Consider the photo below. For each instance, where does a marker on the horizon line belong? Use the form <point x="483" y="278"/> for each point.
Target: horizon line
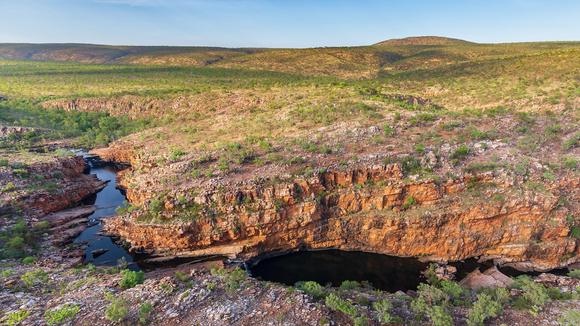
<point x="307" y="47"/>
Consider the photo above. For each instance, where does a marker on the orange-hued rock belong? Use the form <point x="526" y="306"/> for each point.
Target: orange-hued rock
<point x="118" y="152"/>
<point x="367" y="209"/>
<point x="74" y="186"/>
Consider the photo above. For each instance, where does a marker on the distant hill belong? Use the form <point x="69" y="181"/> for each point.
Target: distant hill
<point x="91" y="53"/>
<point x="424" y="40"/>
<point x="363" y="62"/>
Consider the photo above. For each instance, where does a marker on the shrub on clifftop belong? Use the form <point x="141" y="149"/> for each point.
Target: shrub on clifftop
<point x="131" y="278"/>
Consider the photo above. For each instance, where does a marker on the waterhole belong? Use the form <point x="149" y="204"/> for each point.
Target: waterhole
<point x="387" y="273"/>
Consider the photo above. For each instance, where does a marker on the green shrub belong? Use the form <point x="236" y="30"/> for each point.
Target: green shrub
<point x="485" y="307"/>
<point x="41" y="226"/>
<point x="312" y="288"/>
<point x="22" y="173"/>
<point x="16" y="317"/>
<point x="383" y="308"/>
<point x="455" y="292"/>
<point x="575" y="232"/>
<point x="440" y="316"/>
<point x="334" y="302"/>
<point x="575" y="273"/>
<point x="431" y="274"/>
<point x="419" y="148"/>
<point x="432" y="302"/>
<point x="37" y="276"/>
<point x="409" y="202"/>
<point x="388" y="130"/>
<point x="9" y="187"/>
<point x="145" y="310"/>
<point x="572" y="142"/>
<point x="360" y="321"/>
<point x="451" y="125"/>
<point x="480" y="135"/>
<point x="460" y="153"/>
<point x="233" y="279"/>
<point x="411" y="165"/>
<point x="131" y="278"/>
<point x="61" y="315"/>
<point x="62" y="152"/>
<point x="570" y="318"/>
<point x="556" y="294"/>
<point x="7" y="273"/>
<point x="481" y="167"/>
<point x="19" y="240"/>
<point x="28" y="260"/>
<point x="570" y="163"/>
<point x="181" y="276"/>
<point x="422" y="119"/>
<point x="349" y="285"/>
<point x="156" y="206"/>
<point x="117" y="310"/>
<point x="176" y="154"/>
<point x="534" y="296"/>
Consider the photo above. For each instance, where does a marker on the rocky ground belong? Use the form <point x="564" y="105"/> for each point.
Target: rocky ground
<point x="206" y="294"/>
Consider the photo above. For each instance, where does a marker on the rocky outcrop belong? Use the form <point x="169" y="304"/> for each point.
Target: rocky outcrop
<point x="128" y="105"/>
<point x="372" y="209"/>
<point x="65" y="225"/>
<point x="7" y="130"/>
<point x="118" y="152"/>
<point x="491" y="278"/>
<point x="35" y="200"/>
<point x="75" y="186"/>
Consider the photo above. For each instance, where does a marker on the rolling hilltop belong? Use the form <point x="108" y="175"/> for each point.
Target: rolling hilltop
<point x="390" y="56"/>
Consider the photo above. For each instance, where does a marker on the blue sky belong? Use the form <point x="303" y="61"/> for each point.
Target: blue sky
<point x="284" y="23"/>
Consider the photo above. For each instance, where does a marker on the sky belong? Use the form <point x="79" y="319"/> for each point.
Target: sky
<point x="284" y="23"/>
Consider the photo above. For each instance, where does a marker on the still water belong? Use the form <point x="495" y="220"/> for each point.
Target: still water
<point x="387" y="273"/>
<point x="106" y="201"/>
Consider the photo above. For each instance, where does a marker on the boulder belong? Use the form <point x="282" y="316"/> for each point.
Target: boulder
<point x="98" y="252"/>
<point x="61" y="218"/>
<point x="491" y="278"/>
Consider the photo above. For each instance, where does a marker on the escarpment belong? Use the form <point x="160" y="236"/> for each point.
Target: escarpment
<point x="372" y="208"/>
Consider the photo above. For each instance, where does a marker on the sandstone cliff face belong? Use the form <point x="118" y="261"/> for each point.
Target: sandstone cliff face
<point x="76" y="186"/>
<point x="370" y="209"/>
<point x="67" y="175"/>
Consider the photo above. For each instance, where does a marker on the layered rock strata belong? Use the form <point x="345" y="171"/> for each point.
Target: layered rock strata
<point x="372" y="209"/>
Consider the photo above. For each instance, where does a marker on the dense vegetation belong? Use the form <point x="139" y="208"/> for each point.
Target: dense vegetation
<point x="49" y="80"/>
<point x="90" y="128"/>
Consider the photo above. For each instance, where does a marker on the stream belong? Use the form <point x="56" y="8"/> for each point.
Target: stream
<point x="101" y="249"/>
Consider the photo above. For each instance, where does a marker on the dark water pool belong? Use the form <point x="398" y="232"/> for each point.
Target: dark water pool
<point x="384" y="272"/>
<point x="106" y="201"/>
<point x="334" y="266"/>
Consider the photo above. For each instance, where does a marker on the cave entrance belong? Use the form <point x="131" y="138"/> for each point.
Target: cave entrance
<point x="387" y="273"/>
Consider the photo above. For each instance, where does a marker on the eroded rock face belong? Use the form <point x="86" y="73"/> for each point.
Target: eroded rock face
<point x="67" y="173"/>
<point x="370" y="209"/>
<point x="76" y="186"/>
